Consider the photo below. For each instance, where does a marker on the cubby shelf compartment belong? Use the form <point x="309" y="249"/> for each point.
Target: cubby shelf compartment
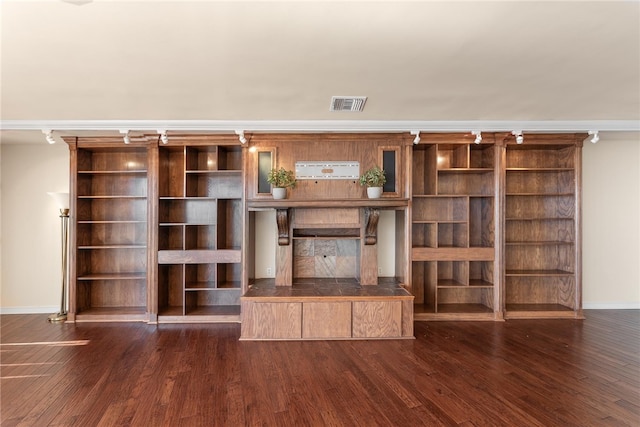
<point x="200" y="215"/>
<point x="477" y="182"/>
<point x="440" y="208"/>
<point x="117" y="184"/>
<point x="453" y="231"/>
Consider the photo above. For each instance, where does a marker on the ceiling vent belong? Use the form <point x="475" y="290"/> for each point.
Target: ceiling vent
<point x="347" y="103"/>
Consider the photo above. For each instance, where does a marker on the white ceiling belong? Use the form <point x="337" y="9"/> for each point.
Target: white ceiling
<point x="421" y="62"/>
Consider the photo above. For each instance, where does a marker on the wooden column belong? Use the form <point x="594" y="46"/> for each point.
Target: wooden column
<point x="284" y="249"/>
<point x="368" y="247"/>
<point x="152" y="232"/>
<point x="73" y="220"/>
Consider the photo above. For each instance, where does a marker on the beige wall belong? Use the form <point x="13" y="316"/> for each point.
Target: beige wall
<point x="611" y="222"/>
<point x="30" y="227"/>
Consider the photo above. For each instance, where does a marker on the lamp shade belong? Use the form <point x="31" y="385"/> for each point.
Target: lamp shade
<point x="62" y="199"/>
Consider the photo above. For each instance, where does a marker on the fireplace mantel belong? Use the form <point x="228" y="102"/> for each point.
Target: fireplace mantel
<point x="257" y="204"/>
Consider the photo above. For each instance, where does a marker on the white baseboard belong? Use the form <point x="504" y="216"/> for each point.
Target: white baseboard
<point x="29" y="310"/>
<point x="611" y="305"/>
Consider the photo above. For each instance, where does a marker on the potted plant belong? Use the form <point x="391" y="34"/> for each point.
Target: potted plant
<point x="373" y="179"/>
<point x="280" y="180"/>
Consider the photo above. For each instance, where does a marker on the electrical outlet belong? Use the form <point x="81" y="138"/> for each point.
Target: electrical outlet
<point x="379" y="270"/>
<point x="268" y="271"/>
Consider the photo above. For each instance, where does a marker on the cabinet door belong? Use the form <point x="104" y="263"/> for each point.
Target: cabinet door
<point x="377" y="319"/>
<point x="278" y="320"/>
<point x="326" y="320"/>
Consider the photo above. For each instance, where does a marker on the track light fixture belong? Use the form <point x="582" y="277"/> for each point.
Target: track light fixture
<point x="163" y="136"/>
<point x="126" y="137"/>
<point x="478" y="136"/>
<point x="241" y="137"/>
<point x="49" y="136"/>
<point x="518" y="135"/>
<point x="594" y="136"/>
<point x="416" y="140"/>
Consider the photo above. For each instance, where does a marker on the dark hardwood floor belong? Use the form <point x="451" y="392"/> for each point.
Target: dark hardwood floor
<point x="514" y="373"/>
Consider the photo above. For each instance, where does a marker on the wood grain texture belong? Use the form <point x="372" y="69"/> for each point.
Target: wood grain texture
<point x="332" y="218"/>
<point x="327" y="308"/>
<point x="199" y="256"/>
<point x="292" y="148"/>
<point x="551" y="373"/>
<point x="277" y="320"/>
<point x="377" y="319"/>
<point x="453" y="254"/>
<point x="326" y="320"/>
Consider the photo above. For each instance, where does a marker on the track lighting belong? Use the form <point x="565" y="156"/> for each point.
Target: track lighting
<point x="595" y="137"/>
<point x="478" y="136"/>
<point x="163" y="136"/>
<point x="126" y="137"/>
<point x="518" y="135"/>
<point x="416" y="140"/>
<point x="49" y="136"/>
<point x="241" y="137"/>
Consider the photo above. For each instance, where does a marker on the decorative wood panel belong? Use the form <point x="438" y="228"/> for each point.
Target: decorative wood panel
<point x="292" y="148"/>
<point x="376" y="319"/>
<point x="326" y="320"/>
<point x="271" y="320"/>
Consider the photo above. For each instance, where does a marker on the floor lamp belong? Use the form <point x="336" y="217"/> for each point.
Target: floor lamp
<point x="62" y="200"/>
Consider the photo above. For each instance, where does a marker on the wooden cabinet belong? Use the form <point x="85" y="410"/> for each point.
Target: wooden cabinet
<point x="200" y="230"/>
<point x="109" y="232"/>
<point x="454" y="213"/>
<point x="310" y="317"/>
<point x="542" y="227"/>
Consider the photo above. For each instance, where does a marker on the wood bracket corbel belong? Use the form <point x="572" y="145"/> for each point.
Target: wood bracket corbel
<point x="282" y="219"/>
<point x="371" y="216"/>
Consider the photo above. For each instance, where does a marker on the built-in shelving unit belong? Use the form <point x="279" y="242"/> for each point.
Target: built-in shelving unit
<point x="109" y="236"/>
<point x="200" y="231"/>
<point x="542" y="227"/>
<point x="165" y="232"/>
<point x="454" y="212"/>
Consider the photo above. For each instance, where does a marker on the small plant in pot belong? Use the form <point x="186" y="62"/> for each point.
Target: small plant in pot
<point x="280" y="180"/>
<point x="373" y="179"/>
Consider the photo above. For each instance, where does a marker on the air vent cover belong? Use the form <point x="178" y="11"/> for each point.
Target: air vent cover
<point x="347" y="103"/>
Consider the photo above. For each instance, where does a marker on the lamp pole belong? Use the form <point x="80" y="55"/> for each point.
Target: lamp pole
<point x="63" y="202"/>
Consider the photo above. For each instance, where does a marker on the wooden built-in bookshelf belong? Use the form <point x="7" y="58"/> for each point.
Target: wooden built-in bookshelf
<point x="200" y="230"/>
<point x="542" y="227"/>
<point x="165" y="232"/>
<point x="453" y="222"/>
<point x="109" y="231"/>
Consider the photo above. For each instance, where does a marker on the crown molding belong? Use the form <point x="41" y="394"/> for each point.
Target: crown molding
<point x="326" y="125"/>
